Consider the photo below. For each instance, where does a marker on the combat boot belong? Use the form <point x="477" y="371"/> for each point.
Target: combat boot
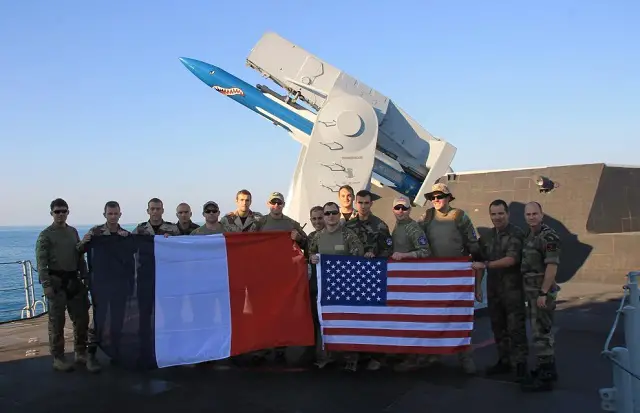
<point x="467" y="363"/>
<point x="60" y="364"/>
<point x="501" y="367"/>
<point x="521" y="372"/>
<point x="93" y="365"/>
<point x="81" y="357"/>
<point x="541" y="379"/>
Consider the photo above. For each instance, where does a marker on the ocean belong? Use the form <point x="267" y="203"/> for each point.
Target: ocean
<point x="18" y="244"/>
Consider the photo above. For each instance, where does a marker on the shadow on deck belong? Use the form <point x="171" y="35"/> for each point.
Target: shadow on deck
<point x="585" y="315"/>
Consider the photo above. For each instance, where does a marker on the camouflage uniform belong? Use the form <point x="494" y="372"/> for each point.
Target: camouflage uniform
<point x="342" y="241"/>
<point x="408" y="236"/>
<point x="505" y="297"/>
<point x="540" y="249"/>
<point x="145" y="228"/>
<point x="373" y="233"/>
<point x="92" y="363"/>
<point x="234" y="223"/>
<point x="61" y="266"/>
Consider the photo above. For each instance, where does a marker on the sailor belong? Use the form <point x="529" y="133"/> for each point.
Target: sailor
<point x="156" y="225"/>
<point x="185" y="224"/>
<point x="540" y="260"/>
<point x="501" y="250"/>
<point x="210" y="212"/>
<point x="243" y="218"/>
<point x="372" y="231"/>
<point x="409" y="241"/>
<point x="345" y="197"/>
<point x="61" y="268"/>
<point x="111" y="227"/>
<point x="335" y="239"/>
<point x="451" y="234"/>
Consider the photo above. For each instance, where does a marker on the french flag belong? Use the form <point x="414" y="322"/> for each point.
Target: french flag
<point x="161" y="302"/>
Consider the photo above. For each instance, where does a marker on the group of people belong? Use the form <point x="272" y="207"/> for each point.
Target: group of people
<point x="520" y="265"/>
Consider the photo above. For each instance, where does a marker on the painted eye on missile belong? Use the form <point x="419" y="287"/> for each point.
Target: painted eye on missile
<point x="212" y="72"/>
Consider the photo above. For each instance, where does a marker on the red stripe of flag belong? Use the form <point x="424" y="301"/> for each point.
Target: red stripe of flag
<point x="369" y="348"/>
<point x="430" y="274"/>
<point x="383" y="332"/>
<point x="430" y="288"/>
<point x="406" y="318"/>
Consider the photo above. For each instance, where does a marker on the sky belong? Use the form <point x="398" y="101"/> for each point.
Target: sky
<point x="95" y="105"/>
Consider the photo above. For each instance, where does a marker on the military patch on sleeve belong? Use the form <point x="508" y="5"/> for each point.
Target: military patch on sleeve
<point x="422" y="240"/>
<point x="552" y="247"/>
<point x="389" y="241"/>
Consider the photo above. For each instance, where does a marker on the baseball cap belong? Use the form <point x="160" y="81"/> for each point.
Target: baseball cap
<point x="402" y="200"/>
<point x="276" y="195"/>
<point x="210" y="203"/>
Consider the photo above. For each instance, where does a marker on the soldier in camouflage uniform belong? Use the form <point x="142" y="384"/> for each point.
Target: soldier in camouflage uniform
<point x="540" y="260"/>
<point x="451" y="234"/>
<point x="345" y="197"/>
<point x="501" y="253"/>
<point x="243" y="218"/>
<point x="372" y="231"/>
<point x="111" y="227"/>
<point x="61" y="268"/>
<point x="335" y="239"/>
<point x="156" y="225"/>
<point x="316" y="216"/>
<point x="210" y="212"/>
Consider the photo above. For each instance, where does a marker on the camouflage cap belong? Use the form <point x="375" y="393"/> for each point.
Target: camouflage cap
<point x="210" y="203"/>
<point x="439" y="187"/>
<point x="402" y="200"/>
<point x="276" y="195"/>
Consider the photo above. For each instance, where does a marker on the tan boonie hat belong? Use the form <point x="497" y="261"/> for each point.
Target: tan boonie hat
<point x="209" y="203"/>
<point x="402" y="200"/>
<point x="439" y="187"/>
<point x="276" y="195"/>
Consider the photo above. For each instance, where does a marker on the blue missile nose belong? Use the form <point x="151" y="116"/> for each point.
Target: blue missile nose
<point x="203" y="71"/>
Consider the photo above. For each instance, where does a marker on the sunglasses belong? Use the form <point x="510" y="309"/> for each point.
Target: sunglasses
<point x="211" y="211"/>
<point x="60" y="211"/>
<point x="275" y="202"/>
<point x="400" y="208"/>
<point x="327" y="213"/>
<point x="438" y="197"/>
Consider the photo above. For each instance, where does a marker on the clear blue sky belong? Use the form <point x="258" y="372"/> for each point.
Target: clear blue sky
<point x="95" y="105"/>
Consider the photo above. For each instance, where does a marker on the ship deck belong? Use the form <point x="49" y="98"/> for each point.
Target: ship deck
<point x="584" y="317"/>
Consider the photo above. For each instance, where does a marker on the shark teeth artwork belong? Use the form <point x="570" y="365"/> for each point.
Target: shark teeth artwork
<point x="229" y="91"/>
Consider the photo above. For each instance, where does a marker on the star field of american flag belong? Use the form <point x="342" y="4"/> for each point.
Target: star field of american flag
<point x="353" y="281"/>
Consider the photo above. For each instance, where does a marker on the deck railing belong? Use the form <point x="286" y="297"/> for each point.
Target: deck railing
<point x="624" y="396"/>
<point x="31" y="301"/>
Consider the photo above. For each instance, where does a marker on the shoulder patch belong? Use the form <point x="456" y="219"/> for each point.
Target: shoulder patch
<point x="552" y="247"/>
<point x="389" y="241"/>
<point x="422" y="240"/>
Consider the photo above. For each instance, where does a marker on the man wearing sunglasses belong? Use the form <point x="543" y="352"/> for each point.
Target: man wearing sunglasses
<point x="335" y="239"/>
<point x="210" y="212"/>
<point x="275" y="220"/>
<point x="451" y="234"/>
<point x="61" y="266"/>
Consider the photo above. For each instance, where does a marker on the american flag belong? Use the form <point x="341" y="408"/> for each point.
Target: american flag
<point x="385" y="306"/>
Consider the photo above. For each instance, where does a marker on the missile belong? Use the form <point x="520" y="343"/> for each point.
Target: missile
<point x="248" y="96"/>
<point x="288" y="117"/>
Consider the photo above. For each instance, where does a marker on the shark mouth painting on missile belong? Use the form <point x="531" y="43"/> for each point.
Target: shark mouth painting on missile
<point x="229" y="91"/>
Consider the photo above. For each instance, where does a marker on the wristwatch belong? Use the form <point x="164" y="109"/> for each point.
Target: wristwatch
<point x="542" y="293"/>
